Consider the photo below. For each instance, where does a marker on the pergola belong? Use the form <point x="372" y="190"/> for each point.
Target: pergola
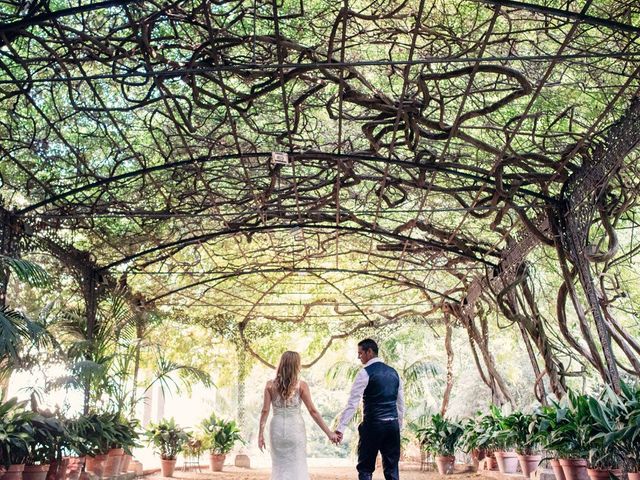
<point x="390" y="160"/>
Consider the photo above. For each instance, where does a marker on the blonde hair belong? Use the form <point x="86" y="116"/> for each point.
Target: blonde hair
<point x="287" y="374"/>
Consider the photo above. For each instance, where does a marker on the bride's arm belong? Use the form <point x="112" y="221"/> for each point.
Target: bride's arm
<point x="305" y="394"/>
<point x="266" y="407"/>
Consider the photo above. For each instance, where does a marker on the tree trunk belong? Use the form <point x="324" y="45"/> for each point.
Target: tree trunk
<point x="89" y="291"/>
<point x="449" y="349"/>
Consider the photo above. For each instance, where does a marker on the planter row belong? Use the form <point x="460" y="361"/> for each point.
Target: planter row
<point x="216" y="462"/>
<point x="563" y="469"/>
<point x="576" y="469"/>
<point x="115" y="463"/>
<point x="505" y="462"/>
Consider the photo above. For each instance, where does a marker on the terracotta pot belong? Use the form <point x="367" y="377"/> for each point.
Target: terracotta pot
<point x="529" y="463"/>
<point x="57" y="469"/>
<point x="168" y="467"/>
<point x="574" y="468"/>
<point x="603" y="474"/>
<point x="114" y="460"/>
<point x="135" y="466"/>
<point x="126" y="460"/>
<point x="74" y="467"/>
<point x="95" y="464"/>
<point x="507" y="462"/>
<point x="445" y="464"/>
<point x="35" y="472"/>
<point x="216" y="462"/>
<point x="633" y="475"/>
<point x="557" y="469"/>
<point x="493" y="463"/>
<point x="14" y="472"/>
<point x="478" y="453"/>
<point x="61" y="472"/>
<point x="242" y="460"/>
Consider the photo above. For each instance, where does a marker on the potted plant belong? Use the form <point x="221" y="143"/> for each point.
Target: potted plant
<point x="479" y="438"/>
<point x="220" y="436"/>
<point x="503" y="441"/>
<point x="629" y="435"/>
<point x="128" y="439"/>
<point x="440" y="437"/>
<point x="123" y="440"/>
<point x="547" y="424"/>
<point x="606" y="450"/>
<point x="46" y="433"/>
<point x="98" y="431"/>
<point x="570" y="436"/>
<point x="16" y="434"/>
<point x="469" y="442"/>
<point x="523" y="433"/>
<point x="168" y="439"/>
<point x="79" y="441"/>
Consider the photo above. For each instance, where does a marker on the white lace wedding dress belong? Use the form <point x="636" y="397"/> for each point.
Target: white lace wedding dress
<point x="288" y="439"/>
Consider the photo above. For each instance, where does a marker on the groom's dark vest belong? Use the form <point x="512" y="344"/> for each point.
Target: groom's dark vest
<point x="381" y="394"/>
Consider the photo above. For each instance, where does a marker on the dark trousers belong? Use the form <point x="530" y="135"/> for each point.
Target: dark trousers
<point x="383" y="437"/>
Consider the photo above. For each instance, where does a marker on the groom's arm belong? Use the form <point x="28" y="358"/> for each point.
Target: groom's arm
<point x="400" y="403"/>
<point x="359" y="384"/>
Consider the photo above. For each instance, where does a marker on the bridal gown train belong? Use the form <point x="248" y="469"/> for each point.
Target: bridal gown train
<point x="288" y="439"/>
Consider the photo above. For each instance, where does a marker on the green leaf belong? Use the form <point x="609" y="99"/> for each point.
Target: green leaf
<point x="26" y="271"/>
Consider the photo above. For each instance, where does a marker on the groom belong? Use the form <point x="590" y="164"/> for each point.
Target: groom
<point x="379" y="386"/>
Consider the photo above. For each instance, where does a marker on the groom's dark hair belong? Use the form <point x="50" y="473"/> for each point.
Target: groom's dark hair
<point x="369" y="344"/>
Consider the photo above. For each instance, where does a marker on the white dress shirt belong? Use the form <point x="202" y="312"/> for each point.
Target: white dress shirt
<point x="357" y="390"/>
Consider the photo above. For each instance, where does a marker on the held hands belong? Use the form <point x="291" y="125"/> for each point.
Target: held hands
<point x="335" y="437"/>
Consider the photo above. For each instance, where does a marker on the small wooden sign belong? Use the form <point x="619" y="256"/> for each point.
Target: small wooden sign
<point x="279" y="158"/>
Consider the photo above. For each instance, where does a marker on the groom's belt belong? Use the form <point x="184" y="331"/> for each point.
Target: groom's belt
<point x="374" y="419"/>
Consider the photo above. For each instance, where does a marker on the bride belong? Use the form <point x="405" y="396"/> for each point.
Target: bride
<point x="287" y="434"/>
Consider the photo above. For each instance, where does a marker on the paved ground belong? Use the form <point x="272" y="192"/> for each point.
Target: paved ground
<point x="409" y="472"/>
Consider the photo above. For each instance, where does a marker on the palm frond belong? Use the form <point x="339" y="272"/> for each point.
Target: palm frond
<point x="12" y="333"/>
<point x="124" y="360"/>
<point x="117" y="315"/>
<point x="18" y="331"/>
<point x="389" y="348"/>
<point x="421" y="369"/>
<point x="165" y="370"/>
<point x="64" y="381"/>
<point x="72" y="323"/>
<point x="340" y="372"/>
<point x="26" y="271"/>
<point x="38" y="333"/>
<point x="420" y="421"/>
<point x="88" y="368"/>
<point x="191" y="375"/>
<point x="419" y="375"/>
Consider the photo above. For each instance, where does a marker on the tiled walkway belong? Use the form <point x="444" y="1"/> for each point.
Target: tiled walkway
<point x="410" y="472"/>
